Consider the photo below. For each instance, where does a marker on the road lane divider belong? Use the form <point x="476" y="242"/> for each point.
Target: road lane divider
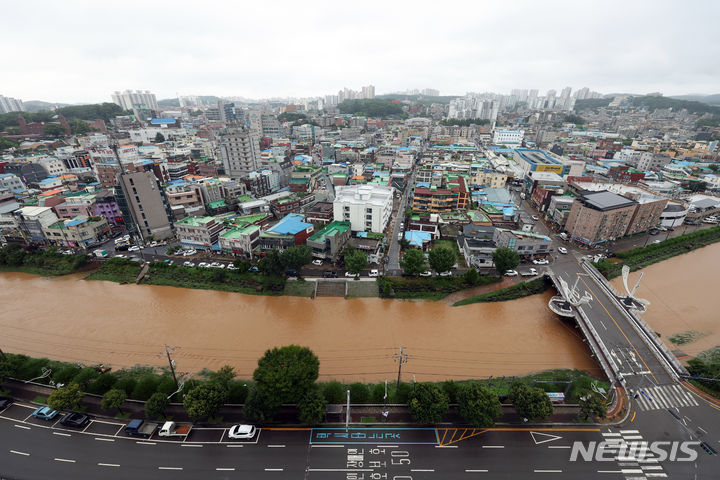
<point x="170" y="468"/>
<point x="105" y="439"/>
<point x="66" y="460"/>
<point x="24" y="454"/>
<point x="62" y="434"/>
<point x="108" y="464"/>
<point x="23" y="427"/>
<point x="146" y="443"/>
<point x="225" y="469"/>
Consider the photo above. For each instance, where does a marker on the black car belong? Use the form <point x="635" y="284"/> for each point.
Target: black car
<point x="291" y="272"/>
<point x="75" y="419"/>
<point x="329" y="274"/>
<point x="5" y="402"/>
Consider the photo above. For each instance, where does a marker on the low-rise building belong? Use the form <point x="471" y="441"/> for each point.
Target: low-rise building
<point x="330" y="240"/>
<point x="240" y="240"/>
<point x="366" y="207"/>
<point x="526" y="244"/>
<point x="598" y="217"/>
<point x="11" y="183"/>
<point x="198" y="232"/>
<point x="81" y="231"/>
<point x="289" y="231"/>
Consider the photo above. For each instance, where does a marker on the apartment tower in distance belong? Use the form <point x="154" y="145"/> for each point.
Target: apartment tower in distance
<point x="240" y="151"/>
<point x="129" y="99"/>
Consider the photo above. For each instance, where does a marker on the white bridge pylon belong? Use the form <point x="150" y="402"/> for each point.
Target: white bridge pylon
<point x="572" y="295"/>
<point x="631" y="294"/>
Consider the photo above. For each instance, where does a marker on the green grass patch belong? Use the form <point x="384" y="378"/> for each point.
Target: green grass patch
<point x="524" y="289"/>
<point x="368" y="420"/>
<point x="123" y="415"/>
<point x="299" y="288"/>
<point x="452" y="245"/>
<point x="427" y="288"/>
<point x="49" y="262"/>
<point x="40" y="399"/>
<point x="686" y="337"/>
<point x="363" y="289"/>
<point x="642" y="257"/>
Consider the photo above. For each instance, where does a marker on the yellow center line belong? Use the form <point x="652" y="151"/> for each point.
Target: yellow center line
<point x="621" y="330"/>
<point x="633" y="417"/>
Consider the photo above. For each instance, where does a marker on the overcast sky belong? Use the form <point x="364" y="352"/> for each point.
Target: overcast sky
<point x="81" y="51"/>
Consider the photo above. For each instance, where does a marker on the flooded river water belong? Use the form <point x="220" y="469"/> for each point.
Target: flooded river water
<point x="684" y="298"/>
<point x="76" y="320"/>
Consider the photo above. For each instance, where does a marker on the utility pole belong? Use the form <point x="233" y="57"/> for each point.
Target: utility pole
<point x="401" y="358"/>
<point x="171" y="363"/>
<point x="4" y="357"/>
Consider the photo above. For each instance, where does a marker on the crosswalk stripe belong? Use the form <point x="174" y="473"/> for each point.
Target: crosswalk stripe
<point x="662" y="401"/>
<point x="642" y="401"/>
<point x="666" y="398"/>
<point x="682" y="395"/>
<point x="679" y="401"/>
<point x="690" y="397"/>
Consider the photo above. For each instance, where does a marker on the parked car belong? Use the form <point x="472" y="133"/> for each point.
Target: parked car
<point x="562" y="250"/>
<point x="203" y="264"/>
<point x="172" y="429"/>
<point x="535" y="217"/>
<point x="511" y="273"/>
<point x="653" y="231"/>
<point x="75" y="419"/>
<point x="351" y="275"/>
<point x="134" y="248"/>
<point x="426" y="273"/>
<point x="529" y="273"/>
<point x="317" y="262"/>
<point x="242" y="431"/>
<point x="140" y="428"/>
<point x="374" y="273"/>
<point x="541" y="261"/>
<point x="329" y="274"/>
<point x="5" y="402"/>
<point x="188" y="264"/>
<point x="231" y="267"/>
<point x="291" y="272"/>
<point x="253" y="269"/>
<point x="446" y="274"/>
<point x="120" y="256"/>
<point x="45" y="413"/>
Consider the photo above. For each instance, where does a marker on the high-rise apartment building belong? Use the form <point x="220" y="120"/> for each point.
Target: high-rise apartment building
<point x="368" y="92"/>
<point x="130" y="99"/>
<point x="240" y="151"/>
<point x="8" y="105"/>
<point x="143" y="204"/>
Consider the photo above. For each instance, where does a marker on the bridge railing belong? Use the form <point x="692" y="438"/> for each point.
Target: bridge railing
<point x="640" y="326"/>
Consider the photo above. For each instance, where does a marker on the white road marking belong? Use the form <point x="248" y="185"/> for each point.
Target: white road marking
<point x="108" y="464"/>
<point x="602" y="323"/>
<point x="191" y="445"/>
<point x="170" y="468"/>
<point x="395" y="446"/>
<point x="609" y="471"/>
<point x="275" y="470"/>
<point x="702" y="430"/>
<point x="62" y="434"/>
<point x="422" y="469"/>
<point x="146" y="443"/>
<point x="331" y="446"/>
<point x="64" y="460"/>
<point x="559" y="446"/>
<point x="493" y="446"/>
<point x="20" y="453"/>
<point x="339" y="469"/>
<point x="476" y="471"/>
<point x="23" y="427"/>
<point x="105" y="439"/>
<point x="547" y="471"/>
<point x="234" y="446"/>
<point x="446" y="446"/>
<point x="631" y="470"/>
<point x="276" y="446"/>
<point x="223" y="469"/>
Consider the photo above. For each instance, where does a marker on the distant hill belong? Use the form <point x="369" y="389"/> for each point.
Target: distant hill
<point x="424" y="99"/>
<point x="169" y="102"/>
<point x="709" y="99"/>
<point x="39" y="106"/>
<point x="591" y="103"/>
<point x="653" y="102"/>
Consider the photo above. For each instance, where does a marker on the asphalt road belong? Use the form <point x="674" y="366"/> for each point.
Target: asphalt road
<point x="32" y="450"/>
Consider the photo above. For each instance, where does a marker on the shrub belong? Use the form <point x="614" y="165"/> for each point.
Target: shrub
<point x="65" y="374"/>
<point x="428" y="403"/>
<point x="359" y="393"/>
<point x="85" y="377"/>
<point x="145" y="387"/>
<point x="238" y="392"/>
<point x="126" y="384"/>
<point x="312" y="406"/>
<point x="156" y="405"/>
<point x="402" y="393"/>
<point x="450" y="388"/>
<point x="378" y="393"/>
<point x="102" y="384"/>
<point x="334" y="392"/>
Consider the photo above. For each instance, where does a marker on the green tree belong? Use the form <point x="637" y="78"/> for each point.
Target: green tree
<point x="478" y="404"/>
<point x="156" y="405"/>
<point x="296" y="257"/>
<point x="53" y="130"/>
<point x="85" y="377"/>
<point x="6" y="144"/>
<point x="312" y="406"/>
<point x="334" y="392"/>
<point x="472" y="277"/>
<point x="413" y="262"/>
<point x="113" y="399"/>
<point x="78" y="127"/>
<point x="102" y="384"/>
<point x="223" y="377"/>
<point x="359" y="392"/>
<point x="593" y="404"/>
<point x="257" y="408"/>
<point x="159" y="138"/>
<point x="65" y="398"/>
<point x="532" y="403"/>
<point x="442" y="259"/>
<point x="377" y="395"/>
<point x="356" y="262"/>
<point x="270" y="264"/>
<point x="204" y="401"/>
<point x="505" y="259"/>
<point x="237" y="392"/>
<point x="65" y="374"/>
<point x="145" y="387"/>
<point x="242" y="265"/>
<point x="284" y="374"/>
<point x="697" y="186"/>
<point x="428" y="403"/>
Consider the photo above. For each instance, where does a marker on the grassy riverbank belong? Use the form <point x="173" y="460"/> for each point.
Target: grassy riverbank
<point x="524" y="289"/>
<point x="428" y="288"/>
<point x="140" y="382"/>
<point x="16" y="258"/>
<point x="641" y="257"/>
<point x="160" y="273"/>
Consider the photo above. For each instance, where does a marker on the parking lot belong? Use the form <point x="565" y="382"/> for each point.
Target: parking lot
<point x="111" y="429"/>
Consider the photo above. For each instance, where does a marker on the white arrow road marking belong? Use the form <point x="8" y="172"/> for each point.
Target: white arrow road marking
<point x="539" y="438"/>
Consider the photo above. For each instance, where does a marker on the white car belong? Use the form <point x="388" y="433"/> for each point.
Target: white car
<point x="511" y="273"/>
<point x="317" y="262"/>
<point x="231" y="267"/>
<point x="188" y="264"/>
<point x="446" y="274"/>
<point x="153" y="244"/>
<point x="562" y="250"/>
<point x="120" y="256"/>
<point x="203" y="264"/>
<point x="351" y="275"/>
<point x="374" y="273"/>
<point x="535" y="217"/>
<point x="541" y="261"/>
<point x="134" y="248"/>
<point x="530" y="273"/>
<point x="242" y="431"/>
<point x="426" y="273"/>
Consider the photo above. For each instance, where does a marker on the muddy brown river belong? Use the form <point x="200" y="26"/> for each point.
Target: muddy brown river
<point x="91" y="322"/>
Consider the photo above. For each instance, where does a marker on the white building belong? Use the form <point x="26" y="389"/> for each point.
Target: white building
<point x="502" y="136"/>
<point x="366" y="207"/>
<point x="9" y="182"/>
<point x="130" y="99"/>
<point x="8" y="105"/>
<point x="240" y="152"/>
<point x="53" y="166"/>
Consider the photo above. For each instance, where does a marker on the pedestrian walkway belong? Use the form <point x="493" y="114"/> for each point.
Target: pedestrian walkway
<point x="665" y="396"/>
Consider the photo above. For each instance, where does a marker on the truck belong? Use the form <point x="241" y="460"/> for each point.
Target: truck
<point x="140" y="428"/>
<point x="172" y="429"/>
<point x="100" y="253"/>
